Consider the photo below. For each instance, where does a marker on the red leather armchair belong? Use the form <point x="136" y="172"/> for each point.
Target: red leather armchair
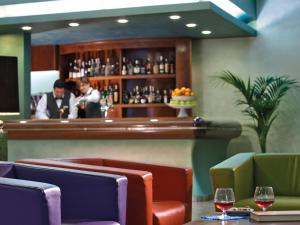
<point x="157" y="195"/>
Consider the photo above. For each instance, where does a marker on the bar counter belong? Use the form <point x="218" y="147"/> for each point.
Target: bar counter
<point x="167" y="141"/>
<point x="131" y="128"/>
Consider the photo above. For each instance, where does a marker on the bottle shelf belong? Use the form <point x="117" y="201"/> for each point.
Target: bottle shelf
<point x="146" y="105"/>
<point x="128" y="77"/>
<point x="172" y="52"/>
<point x="152" y="76"/>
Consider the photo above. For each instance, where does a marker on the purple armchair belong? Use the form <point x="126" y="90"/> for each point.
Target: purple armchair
<point x="40" y="195"/>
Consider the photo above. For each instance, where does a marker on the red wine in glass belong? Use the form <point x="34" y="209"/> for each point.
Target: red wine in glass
<point x="264" y="197"/>
<point x="223" y="206"/>
<point x="264" y="203"/>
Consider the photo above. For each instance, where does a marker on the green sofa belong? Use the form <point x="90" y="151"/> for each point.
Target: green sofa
<point x="244" y="171"/>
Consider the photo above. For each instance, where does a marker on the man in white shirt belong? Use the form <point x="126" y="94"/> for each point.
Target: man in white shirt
<point x="89" y="101"/>
<point x="58" y="104"/>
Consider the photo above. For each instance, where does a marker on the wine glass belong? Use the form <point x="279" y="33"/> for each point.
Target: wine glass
<point x="224" y="199"/>
<point x="264" y="197"/>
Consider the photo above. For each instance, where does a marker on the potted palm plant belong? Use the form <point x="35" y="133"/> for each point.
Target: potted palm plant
<point x="260" y="98"/>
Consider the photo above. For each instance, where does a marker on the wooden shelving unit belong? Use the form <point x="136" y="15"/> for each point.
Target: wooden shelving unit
<point x="128" y="77"/>
<point x="177" y="49"/>
<point x="144" y="105"/>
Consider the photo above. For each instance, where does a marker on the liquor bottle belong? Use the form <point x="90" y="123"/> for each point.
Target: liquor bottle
<point x="75" y="68"/>
<point x="82" y="69"/>
<point x="103" y="96"/>
<point x="146" y="93"/>
<point x="102" y="71"/>
<point x="130" y="68"/>
<point x="124" y="61"/>
<point x="110" y="99"/>
<point x="131" y="98"/>
<point x="70" y="70"/>
<point x="155" y="68"/>
<point x="117" y="68"/>
<point x="97" y="67"/>
<point x="92" y="68"/>
<point x="107" y="68"/>
<point x="113" y="70"/>
<point x="124" y="68"/>
<point x="148" y="66"/>
<point x="137" y="99"/>
<point x="88" y="68"/>
<point x="170" y="95"/>
<point x="158" y="97"/>
<point x="161" y="65"/>
<point x="166" y="99"/>
<point x="116" y="94"/>
<point x="150" y="96"/>
<point x="104" y="92"/>
<point x="167" y="66"/>
<point x="79" y="63"/>
<point x="137" y="68"/>
<point x="143" y="68"/>
<point x="172" y="67"/>
<point x="143" y="96"/>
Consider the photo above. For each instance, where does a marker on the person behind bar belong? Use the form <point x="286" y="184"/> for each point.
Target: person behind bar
<point x="88" y="102"/>
<point x="58" y="104"/>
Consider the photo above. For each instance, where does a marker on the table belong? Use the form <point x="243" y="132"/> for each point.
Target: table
<point x="239" y="222"/>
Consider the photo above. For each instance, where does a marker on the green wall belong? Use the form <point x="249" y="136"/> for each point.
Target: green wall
<point x="18" y="45"/>
<point x="275" y="51"/>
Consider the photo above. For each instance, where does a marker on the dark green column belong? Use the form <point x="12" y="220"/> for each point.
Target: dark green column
<point x="3" y="143"/>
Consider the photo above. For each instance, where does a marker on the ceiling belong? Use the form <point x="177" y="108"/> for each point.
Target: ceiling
<point x="143" y="22"/>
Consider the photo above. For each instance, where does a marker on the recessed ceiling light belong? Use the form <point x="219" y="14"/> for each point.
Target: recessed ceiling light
<point x="74" y="24"/>
<point x="174" y="17"/>
<point x="108" y="121"/>
<point x="206" y="32"/>
<point x="191" y="25"/>
<point x="122" y="21"/>
<point x="154" y="120"/>
<point x="26" y="28"/>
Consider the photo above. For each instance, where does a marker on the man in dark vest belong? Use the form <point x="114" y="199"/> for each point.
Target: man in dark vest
<point x="88" y="103"/>
<point x="58" y="104"/>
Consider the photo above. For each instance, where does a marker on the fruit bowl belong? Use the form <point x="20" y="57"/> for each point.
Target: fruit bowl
<point x="183" y="98"/>
<point x="182" y="109"/>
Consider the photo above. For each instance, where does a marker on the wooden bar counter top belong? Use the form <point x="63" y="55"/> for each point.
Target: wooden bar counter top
<point x="129" y="128"/>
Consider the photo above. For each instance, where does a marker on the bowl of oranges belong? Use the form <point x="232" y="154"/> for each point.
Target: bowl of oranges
<point x="183" y="94"/>
<point x="182" y="99"/>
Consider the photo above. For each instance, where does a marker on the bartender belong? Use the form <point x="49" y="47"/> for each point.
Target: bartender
<point x="58" y="104"/>
<point x="88" y="102"/>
